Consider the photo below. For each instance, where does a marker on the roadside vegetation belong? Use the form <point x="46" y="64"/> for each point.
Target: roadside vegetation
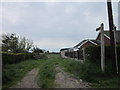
<point x="89" y="72"/>
<point x="12" y="73"/>
<point x="47" y="74"/>
<point x="19" y="56"/>
<point x="47" y="71"/>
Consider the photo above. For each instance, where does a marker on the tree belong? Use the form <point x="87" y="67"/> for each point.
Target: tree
<point x="37" y="50"/>
<point x="9" y="42"/>
<point x="15" y="44"/>
<point x="24" y="45"/>
<point x="48" y="52"/>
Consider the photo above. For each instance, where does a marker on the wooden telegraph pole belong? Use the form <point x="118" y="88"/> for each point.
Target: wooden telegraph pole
<point x="112" y="38"/>
<point x="116" y="49"/>
<point x="102" y="47"/>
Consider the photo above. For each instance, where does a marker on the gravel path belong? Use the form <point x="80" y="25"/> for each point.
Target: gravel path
<point x="29" y="81"/>
<point x="66" y="80"/>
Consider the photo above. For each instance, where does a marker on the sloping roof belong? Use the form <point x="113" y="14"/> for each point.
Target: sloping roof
<point x="79" y="44"/>
<point x="64" y="49"/>
<point x="95" y="42"/>
<point x="107" y="33"/>
<point x="117" y="33"/>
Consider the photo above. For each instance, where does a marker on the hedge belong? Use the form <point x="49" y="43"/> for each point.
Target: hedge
<point x="13" y="58"/>
<point x="93" y="53"/>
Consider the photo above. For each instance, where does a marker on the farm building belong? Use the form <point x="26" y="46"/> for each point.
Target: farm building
<point x="86" y="43"/>
<point x="107" y="37"/>
<point x="63" y="51"/>
<point x="78" y="50"/>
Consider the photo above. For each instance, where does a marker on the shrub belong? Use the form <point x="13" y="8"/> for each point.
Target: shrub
<point x="89" y="71"/>
<point x="93" y="53"/>
<point x="13" y="58"/>
<point x="12" y="73"/>
<point x="39" y="56"/>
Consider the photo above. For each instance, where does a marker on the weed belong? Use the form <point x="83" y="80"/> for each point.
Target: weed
<point x="47" y="73"/>
<point x="14" y="72"/>
<point x="89" y="72"/>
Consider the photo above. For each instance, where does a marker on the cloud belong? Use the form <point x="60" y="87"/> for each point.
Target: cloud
<point x="70" y="9"/>
<point x="57" y="0"/>
<point x="52" y="43"/>
<point x="54" y="25"/>
<point x="119" y="15"/>
<point x="13" y="12"/>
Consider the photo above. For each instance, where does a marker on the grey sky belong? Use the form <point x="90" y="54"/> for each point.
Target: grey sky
<point x="55" y="25"/>
<point x="119" y="15"/>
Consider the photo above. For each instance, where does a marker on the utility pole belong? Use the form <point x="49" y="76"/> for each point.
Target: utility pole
<point x="112" y="39"/>
<point x="102" y="47"/>
<point x="115" y="48"/>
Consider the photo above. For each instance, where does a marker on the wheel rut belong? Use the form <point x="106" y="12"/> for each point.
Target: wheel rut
<point x="66" y="80"/>
<point x="29" y="81"/>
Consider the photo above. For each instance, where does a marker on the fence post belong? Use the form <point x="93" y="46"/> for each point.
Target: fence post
<point x="83" y="53"/>
<point x="78" y="55"/>
<point x="102" y="47"/>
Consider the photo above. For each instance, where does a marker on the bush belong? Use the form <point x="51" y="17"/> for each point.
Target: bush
<point x="93" y="53"/>
<point x="118" y="57"/>
<point x="13" y="58"/>
<point x="39" y="56"/>
<point x="89" y="71"/>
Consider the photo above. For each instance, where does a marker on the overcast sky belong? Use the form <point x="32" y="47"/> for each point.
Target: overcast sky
<point x="55" y="25"/>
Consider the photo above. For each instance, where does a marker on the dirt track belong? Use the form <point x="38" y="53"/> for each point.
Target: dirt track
<point x="62" y="80"/>
<point x="66" y="80"/>
<point x="29" y="81"/>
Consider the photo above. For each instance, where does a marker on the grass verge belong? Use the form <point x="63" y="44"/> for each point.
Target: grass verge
<point x="12" y="73"/>
<point x="89" y="72"/>
<point x="47" y="73"/>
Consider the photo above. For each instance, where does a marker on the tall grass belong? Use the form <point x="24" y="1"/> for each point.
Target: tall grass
<point x="87" y="71"/>
<point x="47" y="73"/>
<point x="14" y="72"/>
<point x="84" y="70"/>
<point x="90" y="72"/>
